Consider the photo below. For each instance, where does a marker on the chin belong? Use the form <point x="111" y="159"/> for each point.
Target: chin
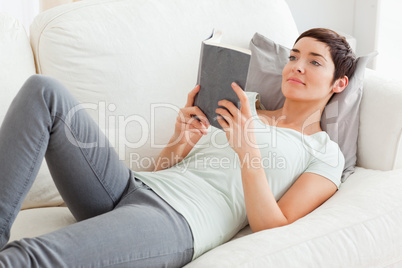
<point x="293" y="93"/>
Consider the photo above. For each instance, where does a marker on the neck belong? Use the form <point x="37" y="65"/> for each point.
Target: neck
<point x="304" y="117"/>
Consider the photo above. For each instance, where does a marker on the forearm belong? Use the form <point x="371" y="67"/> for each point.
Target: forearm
<point x="263" y="211"/>
<point x="191" y="125"/>
<point x="174" y="152"/>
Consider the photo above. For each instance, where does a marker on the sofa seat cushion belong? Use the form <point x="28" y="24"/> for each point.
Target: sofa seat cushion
<point x="38" y="221"/>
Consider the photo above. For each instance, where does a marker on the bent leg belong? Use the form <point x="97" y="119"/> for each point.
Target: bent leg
<point x="45" y="118"/>
<point x="142" y="231"/>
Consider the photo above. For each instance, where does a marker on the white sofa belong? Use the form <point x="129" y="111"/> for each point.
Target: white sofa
<point x="132" y="62"/>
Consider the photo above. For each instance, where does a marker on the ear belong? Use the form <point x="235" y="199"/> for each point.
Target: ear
<point x="340" y="84"/>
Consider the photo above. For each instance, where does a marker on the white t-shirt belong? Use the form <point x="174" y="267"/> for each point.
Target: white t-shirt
<point x="206" y="187"/>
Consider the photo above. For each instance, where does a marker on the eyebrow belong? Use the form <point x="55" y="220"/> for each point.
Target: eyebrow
<point x="311" y="53"/>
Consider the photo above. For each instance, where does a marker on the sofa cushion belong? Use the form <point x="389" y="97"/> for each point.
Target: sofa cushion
<point x="340" y="118"/>
<point x="134" y="71"/>
<point x="17" y="64"/>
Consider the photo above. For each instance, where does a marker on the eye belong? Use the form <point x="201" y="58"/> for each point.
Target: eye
<point x="292" y="58"/>
<point x="315" y="63"/>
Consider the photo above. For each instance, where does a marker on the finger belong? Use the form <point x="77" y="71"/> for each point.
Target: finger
<point x="190" y="112"/>
<point x="191" y="130"/>
<point x="188" y="131"/>
<point x="191" y="123"/>
<point x="191" y="96"/>
<point x="242" y="96"/>
<point x="222" y="122"/>
<point x="228" y="119"/>
<point x="233" y="110"/>
<point x="223" y="111"/>
<point x="195" y="124"/>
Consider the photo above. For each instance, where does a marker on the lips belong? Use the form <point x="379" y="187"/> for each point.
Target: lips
<point x="295" y="80"/>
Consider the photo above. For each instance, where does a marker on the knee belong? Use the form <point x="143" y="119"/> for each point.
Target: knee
<point x="38" y="79"/>
<point x="40" y="84"/>
<point x="43" y="88"/>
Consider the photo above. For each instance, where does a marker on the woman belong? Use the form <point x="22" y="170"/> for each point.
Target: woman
<point x="268" y="168"/>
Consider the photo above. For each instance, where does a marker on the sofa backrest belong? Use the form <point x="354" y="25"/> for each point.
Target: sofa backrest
<point x="17" y="64"/>
<point x="380" y="131"/>
<point x="132" y="63"/>
<point x="16" y="61"/>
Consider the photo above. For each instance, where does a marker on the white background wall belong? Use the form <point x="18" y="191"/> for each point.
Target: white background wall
<point x="358" y="18"/>
<point x="390" y="38"/>
<point x="24" y="10"/>
<point x="335" y="14"/>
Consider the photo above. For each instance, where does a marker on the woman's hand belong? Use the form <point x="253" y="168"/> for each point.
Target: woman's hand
<point x="188" y="129"/>
<point x="239" y="125"/>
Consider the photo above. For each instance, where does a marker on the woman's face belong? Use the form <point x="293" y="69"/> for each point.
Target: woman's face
<point x="309" y="73"/>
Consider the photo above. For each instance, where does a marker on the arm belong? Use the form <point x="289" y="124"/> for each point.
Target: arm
<point x="188" y="131"/>
<point x="307" y="193"/>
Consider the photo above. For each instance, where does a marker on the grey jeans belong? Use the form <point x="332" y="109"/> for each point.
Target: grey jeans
<point x="121" y="221"/>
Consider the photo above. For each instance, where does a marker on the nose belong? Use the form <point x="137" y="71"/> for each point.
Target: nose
<point x="298" y="67"/>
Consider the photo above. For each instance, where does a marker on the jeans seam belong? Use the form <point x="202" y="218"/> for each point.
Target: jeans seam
<point x="92" y="165"/>
<point x="132" y="191"/>
<point x="151" y="257"/>
<point x="26" y="181"/>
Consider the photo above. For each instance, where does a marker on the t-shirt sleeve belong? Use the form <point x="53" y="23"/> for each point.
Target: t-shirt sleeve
<point x="329" y="164"/>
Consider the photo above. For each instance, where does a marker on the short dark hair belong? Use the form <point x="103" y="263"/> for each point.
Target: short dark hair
<point x="342" y="55"/>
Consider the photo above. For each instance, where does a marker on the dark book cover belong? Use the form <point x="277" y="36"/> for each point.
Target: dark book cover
<point x="220" y="65"/>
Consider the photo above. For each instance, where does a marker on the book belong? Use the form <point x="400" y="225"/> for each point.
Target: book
<point x="220" y="65"/>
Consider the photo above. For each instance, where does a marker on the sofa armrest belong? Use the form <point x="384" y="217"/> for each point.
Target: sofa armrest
<point x="380" y="129"/>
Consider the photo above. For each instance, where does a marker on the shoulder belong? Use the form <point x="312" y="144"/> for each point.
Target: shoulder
<point x="320" y="146"/>
<point x="326" y="158"/>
